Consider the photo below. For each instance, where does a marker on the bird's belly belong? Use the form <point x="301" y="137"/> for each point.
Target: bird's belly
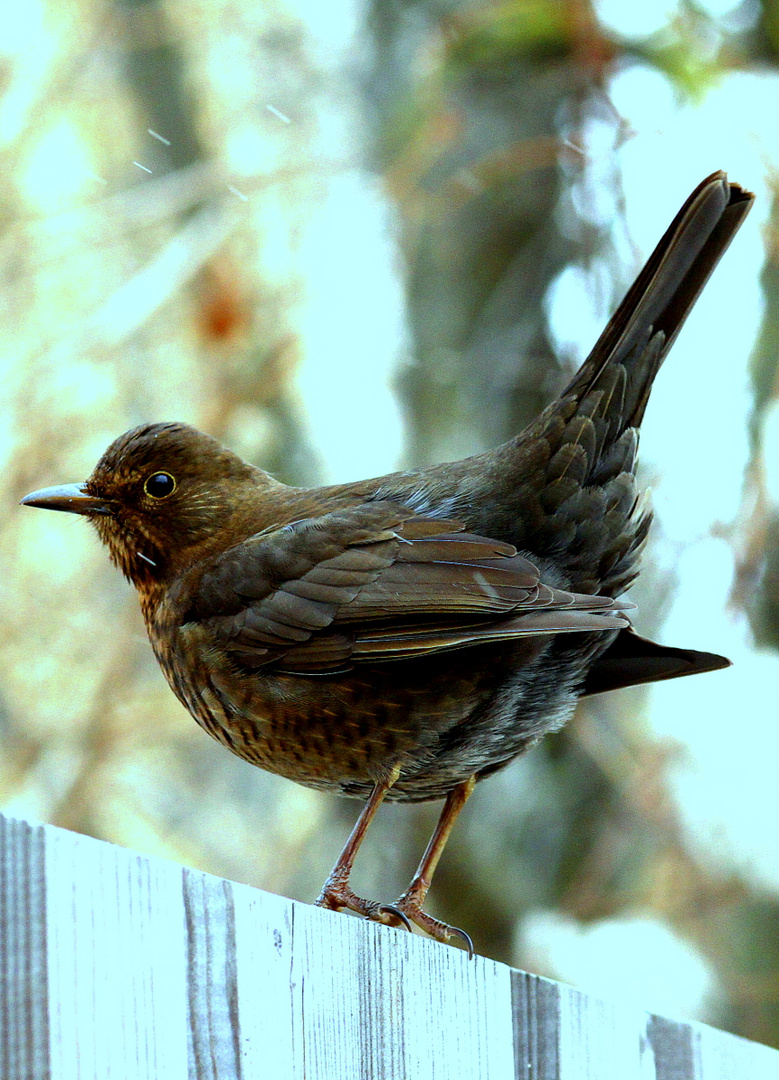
<point x="443" y="719"/>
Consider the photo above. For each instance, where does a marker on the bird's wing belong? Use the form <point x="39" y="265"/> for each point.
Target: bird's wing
<point x="377" y="582"/>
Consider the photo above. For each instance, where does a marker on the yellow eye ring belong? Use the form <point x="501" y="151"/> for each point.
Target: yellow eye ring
<point x="160" y="485"/>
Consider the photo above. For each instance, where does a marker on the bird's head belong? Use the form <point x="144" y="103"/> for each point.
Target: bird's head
<point x="158" y="495"/>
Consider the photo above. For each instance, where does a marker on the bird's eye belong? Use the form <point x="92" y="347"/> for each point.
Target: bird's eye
<point x="159" y="485"/>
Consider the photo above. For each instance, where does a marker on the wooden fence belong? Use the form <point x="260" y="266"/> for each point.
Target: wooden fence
<point x="114" y="965"/>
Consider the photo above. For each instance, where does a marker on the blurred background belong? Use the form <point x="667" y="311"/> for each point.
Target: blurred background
<point x="344" y="237"/>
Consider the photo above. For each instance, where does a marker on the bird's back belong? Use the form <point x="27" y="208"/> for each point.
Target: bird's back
<point x="564" y="490"/>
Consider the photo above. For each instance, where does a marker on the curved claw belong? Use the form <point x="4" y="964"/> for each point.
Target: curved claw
<point x="410" y="911"/>
<point x="466" y="939"/>
<point x="392" y="910"/>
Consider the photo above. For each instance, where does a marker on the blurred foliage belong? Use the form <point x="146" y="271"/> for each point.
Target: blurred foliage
<point x="180" y="293"/>
<point x="759" y="568"/>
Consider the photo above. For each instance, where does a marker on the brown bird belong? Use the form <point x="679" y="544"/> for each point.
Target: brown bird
<point x="405" y="636"/>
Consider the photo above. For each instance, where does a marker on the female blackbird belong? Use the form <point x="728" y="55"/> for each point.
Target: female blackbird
<point x="403" y="637"/>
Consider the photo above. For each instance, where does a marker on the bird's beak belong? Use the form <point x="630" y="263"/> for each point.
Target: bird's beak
<point x="74" y="498"/>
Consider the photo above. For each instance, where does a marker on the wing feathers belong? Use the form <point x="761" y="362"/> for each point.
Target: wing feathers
<point x="374" y="583"/>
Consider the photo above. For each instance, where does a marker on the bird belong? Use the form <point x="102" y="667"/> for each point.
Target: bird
<point x="403" y="637"/>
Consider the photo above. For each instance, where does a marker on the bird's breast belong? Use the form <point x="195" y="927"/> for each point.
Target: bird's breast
<point x="442" y="719"/>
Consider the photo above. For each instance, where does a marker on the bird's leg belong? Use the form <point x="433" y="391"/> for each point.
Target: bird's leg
<point x="408" y="907"/>
<point x="336" y="894"/>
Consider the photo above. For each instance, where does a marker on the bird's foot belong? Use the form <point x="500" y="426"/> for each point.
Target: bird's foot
<point x="337" y="896"/>
<point x="406" y="911"/>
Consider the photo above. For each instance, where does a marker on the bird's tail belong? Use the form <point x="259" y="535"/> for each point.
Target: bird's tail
<point x="571" y="472"/>
<point x="645" y="325"/>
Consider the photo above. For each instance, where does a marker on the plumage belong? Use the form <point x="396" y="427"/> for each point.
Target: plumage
<point x="405" y="636"/>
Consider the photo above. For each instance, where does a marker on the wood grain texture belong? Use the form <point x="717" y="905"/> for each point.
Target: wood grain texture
<point x="117" y="965"/>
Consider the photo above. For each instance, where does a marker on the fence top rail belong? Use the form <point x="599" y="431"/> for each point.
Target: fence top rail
<point x="115" y="964"/>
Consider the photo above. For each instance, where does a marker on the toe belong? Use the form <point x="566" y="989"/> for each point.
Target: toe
<point x="411" y="912"/>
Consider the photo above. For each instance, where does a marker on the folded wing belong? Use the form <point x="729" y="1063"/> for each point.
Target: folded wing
<point x="374" y="583"/>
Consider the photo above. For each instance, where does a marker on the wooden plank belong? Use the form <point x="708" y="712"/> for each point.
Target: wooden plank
<point x="24" y="1032"/>
<point x="113" y="964"/>
<point x="117" y="946"/>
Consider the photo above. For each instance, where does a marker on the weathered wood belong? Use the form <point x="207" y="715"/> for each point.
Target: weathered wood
<point x="114" y="964"/>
